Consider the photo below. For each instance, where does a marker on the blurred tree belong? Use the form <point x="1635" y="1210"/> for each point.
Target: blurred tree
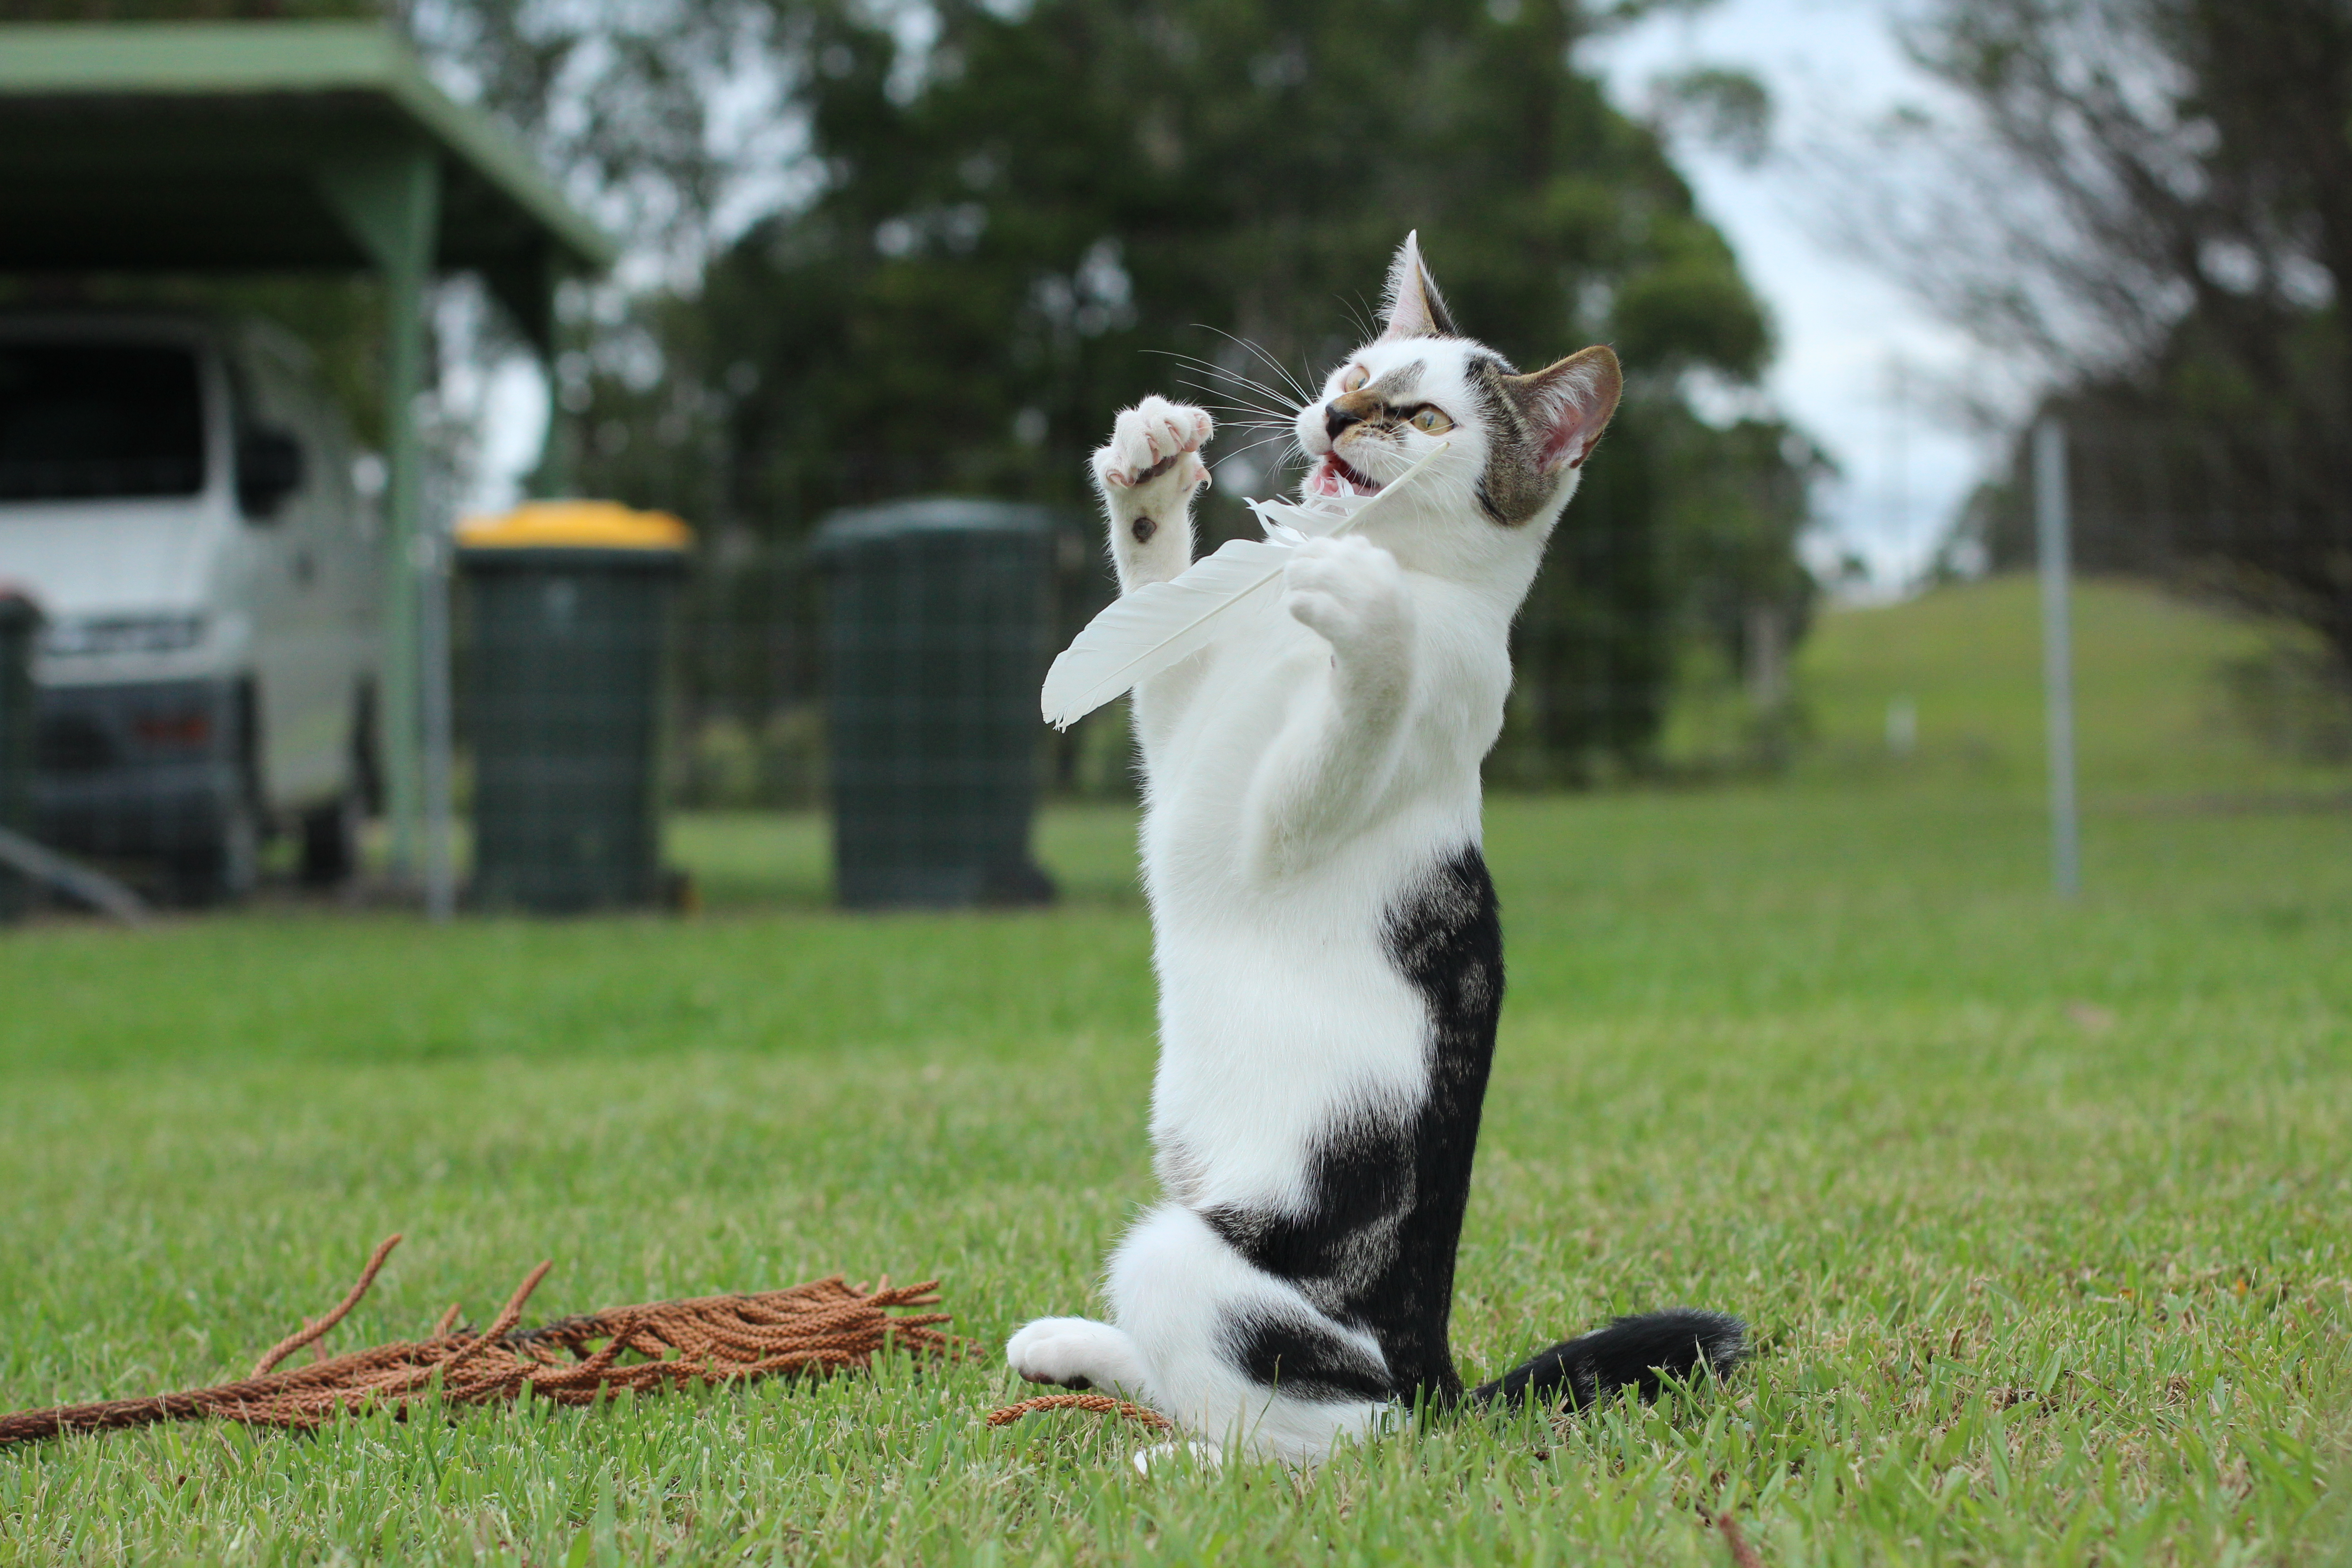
<point x="2152" y="200"/>
<point x="182" y="10"/>
<point x="1015" y="220"/>
<point x="1034" y="217"/>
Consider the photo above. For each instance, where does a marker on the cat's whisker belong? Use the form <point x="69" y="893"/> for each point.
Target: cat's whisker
<point x="1298" y="384"/>
<point x="1239" y="395"/>
<point x="1247" y="415"/>
<point x="1296" y="387"/>
<point x="1365" y="319"/>
<point x="1266" y="439"/>
<point x="1237" y="382"/>
<point x="1218" y="367"/>
<point x="1290" y="397"/>
<point x="1252" y="446"/>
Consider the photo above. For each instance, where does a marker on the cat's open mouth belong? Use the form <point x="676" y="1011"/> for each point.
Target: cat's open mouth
<point x="1331" y="475"/>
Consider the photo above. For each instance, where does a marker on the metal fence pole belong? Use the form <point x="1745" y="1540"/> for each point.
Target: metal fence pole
<point x="2051" y="530"/>
<point x="434" y="717"/>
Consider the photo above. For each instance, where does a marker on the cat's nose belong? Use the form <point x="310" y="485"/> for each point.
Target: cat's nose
<point x="1336" y="419"/>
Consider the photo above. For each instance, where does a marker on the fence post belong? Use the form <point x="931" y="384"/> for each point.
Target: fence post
<point x="435" y="722"/>
<point x="2051" y="530"/>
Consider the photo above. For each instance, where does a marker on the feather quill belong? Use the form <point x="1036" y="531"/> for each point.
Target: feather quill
<point x="1141" y="634"/>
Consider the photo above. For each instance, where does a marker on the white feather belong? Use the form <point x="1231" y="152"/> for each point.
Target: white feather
<point x="1141" y="634"/>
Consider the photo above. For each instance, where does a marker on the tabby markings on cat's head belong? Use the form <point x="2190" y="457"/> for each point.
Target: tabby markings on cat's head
<point x="1421" y="383"/>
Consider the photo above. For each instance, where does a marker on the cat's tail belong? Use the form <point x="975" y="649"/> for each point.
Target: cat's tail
<point x="1636" y="1353"/>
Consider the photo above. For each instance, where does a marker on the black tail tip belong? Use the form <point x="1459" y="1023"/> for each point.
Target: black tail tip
<point x="1639" y="1353"/>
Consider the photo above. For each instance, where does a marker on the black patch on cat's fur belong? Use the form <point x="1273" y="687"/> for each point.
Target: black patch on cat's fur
<point x="1303" y="1359"/>
<point x="1143" y="527"/>
<point x="1631" y="1352"/>
<point x="1486" y="503"/>
<point x="1375" y="1248"/>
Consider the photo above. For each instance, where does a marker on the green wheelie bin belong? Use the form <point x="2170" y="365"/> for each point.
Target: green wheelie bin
<point x="568" y="605"/>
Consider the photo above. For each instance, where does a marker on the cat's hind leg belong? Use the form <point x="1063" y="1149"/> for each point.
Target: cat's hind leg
<point x="1236" y="1355"/>
<point x="1078" y="1353"/>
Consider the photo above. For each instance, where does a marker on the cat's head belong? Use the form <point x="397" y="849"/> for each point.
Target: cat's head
<point x="1515" y="443"/>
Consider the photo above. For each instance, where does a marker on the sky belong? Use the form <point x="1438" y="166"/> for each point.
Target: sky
<point x="1857" y="362"/>
<point x="1858" y="359"/>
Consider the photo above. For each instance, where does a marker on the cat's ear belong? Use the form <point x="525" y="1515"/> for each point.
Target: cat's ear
<point x="1569" y="405"/>
<point x="1415" y="309"/>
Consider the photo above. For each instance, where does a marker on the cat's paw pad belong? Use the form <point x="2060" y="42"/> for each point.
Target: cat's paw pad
<point x="1064" y="1352"/>
<point x="1346" y="589"/>
<point x="1154" y="451"/>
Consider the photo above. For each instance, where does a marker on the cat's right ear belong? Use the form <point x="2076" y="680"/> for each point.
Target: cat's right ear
<point x="1414" y="308"/>
<point x="1569" y="405"/>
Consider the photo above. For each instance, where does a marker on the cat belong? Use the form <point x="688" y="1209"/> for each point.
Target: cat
<point x="1326" y="935"/>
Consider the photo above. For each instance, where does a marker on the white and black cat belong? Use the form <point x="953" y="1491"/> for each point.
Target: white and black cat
<point x="1329" y="957"/>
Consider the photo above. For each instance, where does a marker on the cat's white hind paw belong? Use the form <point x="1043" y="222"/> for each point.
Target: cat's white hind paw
<point x="1163" y="1455"/>
<point x="1076" y="1352"/>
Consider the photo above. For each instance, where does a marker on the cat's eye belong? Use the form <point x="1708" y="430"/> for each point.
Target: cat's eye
<point x="1430" y="422"/>
<point x="1354" y="379"/>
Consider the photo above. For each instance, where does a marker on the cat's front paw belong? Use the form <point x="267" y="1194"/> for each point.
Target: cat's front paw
<point x="1153" y="460"/>
<point x="1350" y="590"/>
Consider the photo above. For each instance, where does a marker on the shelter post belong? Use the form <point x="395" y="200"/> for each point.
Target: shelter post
<point x="391" y="202"/>
<point x="199" y="147"/>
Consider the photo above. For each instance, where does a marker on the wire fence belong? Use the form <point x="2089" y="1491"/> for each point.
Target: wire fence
<point x="2153" y="508"/>
<point x="2210" y="616"/>
<point x="2253" y="521"/>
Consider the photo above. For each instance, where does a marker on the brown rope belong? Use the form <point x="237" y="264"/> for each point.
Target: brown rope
<point x="1743" y="1555"/>
<point x="310" y="1333"/>
<point x="826" y="1325"/>
<point x="1101" y="1404"/>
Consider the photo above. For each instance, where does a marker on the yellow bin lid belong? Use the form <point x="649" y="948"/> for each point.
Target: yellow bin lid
<point x="576" y="525"/>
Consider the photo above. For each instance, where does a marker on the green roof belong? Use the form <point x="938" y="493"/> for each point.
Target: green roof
<point x="187" y="146"/>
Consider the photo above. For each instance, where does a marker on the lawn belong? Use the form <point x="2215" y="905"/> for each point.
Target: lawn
<point x="2044" y="1215"/>
<point x="2156" y="718"/>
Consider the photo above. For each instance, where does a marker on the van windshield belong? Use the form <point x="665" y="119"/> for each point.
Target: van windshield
<point x="86" y="421"/>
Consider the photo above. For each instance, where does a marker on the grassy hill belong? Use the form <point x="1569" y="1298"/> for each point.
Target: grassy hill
<point x="2153" y="697"/>
<point x="2153" y="701"/>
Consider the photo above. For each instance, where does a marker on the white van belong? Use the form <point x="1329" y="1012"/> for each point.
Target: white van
<point x="179" y="496"/>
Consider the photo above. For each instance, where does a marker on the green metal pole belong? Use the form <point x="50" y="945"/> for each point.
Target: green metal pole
<point x="558" y="462"/>
<point x="404" y="508"/>
<point x="392" y="203"/>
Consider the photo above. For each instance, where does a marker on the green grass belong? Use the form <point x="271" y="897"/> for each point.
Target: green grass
<point x="2155" y="717"/>
<point x="2044" y="1213"/>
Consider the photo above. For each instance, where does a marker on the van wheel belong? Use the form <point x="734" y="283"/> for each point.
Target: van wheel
<point x="331" y="842"/>
<point x="226" y="869"/>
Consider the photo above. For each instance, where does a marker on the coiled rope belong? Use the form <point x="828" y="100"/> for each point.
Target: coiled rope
<point x="825" y="1325"/>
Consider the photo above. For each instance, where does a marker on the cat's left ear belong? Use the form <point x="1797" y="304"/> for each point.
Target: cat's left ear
<point x="1415" y="308"/>
<point x="1569" y="405"/>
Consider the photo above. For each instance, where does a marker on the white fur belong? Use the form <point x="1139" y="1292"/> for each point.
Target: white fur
<point x="1299" y="773"/>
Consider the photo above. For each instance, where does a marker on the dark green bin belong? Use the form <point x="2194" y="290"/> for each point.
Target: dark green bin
<point x="563" y="705"/>
<point x="20" y="629"/>
<point x="939" y="617"/>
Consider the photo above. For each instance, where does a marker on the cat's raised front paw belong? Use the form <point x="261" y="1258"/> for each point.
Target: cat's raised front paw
<point x="1350" y="590"/>
<point x="1154" y="452"/>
